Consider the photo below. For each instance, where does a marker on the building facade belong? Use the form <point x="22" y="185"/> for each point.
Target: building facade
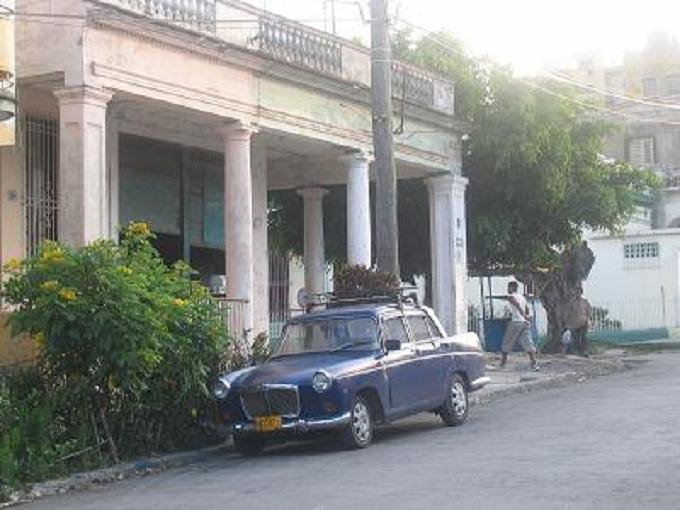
<point x="185" y="114"/>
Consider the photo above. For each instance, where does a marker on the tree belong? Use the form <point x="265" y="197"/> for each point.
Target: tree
<point x="537" y="176"/>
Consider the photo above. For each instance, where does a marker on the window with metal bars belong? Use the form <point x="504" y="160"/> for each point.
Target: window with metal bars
<point x="640" y="250"/>
<point x="40" y="200"/>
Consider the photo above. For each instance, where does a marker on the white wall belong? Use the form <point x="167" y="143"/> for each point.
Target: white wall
<point x="643" y="292"/>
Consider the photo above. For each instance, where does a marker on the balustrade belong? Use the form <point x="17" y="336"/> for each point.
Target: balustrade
<point x="295" y="45"/>
<point x="195" y="14"/>
<point x="412" y="85"/>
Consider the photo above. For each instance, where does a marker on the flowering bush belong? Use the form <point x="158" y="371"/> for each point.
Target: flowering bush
<point x="130" y="340"/>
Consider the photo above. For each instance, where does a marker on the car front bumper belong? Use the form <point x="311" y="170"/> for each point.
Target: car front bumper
<point x="479" y="383"/>
<point x="296" y="426"/>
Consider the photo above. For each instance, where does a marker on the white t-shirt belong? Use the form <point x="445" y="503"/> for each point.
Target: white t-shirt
<point x="522" y="303"/>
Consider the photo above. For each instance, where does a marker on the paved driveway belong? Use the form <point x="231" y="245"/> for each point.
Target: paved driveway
<point x="610" y="443"/>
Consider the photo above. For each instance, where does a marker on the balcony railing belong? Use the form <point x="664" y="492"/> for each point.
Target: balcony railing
<point x="198" y="15"/>
<point x="412" y="85"/>
<point x="295" y="45"/>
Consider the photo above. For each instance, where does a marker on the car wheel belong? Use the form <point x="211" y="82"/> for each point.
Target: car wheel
<point x="359" y="432"/>
<point x="455" y="409"/>
<point x="248" y="445"/>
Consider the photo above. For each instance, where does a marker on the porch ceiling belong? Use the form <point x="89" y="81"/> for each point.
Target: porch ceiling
<point x="294" y="160"/>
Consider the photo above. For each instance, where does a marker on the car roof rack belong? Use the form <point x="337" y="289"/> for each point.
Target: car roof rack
<point x="399" y="298"/>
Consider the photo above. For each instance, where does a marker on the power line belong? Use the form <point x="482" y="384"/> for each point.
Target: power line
<point x="432" y="36"/>
<point x="560" y="77"/>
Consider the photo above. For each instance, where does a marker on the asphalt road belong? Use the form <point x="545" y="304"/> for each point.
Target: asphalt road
<point x="609" y="443"/>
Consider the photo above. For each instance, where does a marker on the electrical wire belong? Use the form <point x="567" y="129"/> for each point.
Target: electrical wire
<point x="432" y="36"/>
<point x="562" y="78"/>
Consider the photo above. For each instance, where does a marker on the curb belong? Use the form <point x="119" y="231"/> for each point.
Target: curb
<point x="80" y="481"/>
<point x="555" y="381"/>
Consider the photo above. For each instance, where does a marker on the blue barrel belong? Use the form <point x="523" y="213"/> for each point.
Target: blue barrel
<point x="494" y="330"/>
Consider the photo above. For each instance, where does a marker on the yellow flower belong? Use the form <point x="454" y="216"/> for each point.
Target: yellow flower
<point x="49" y="286"/>
<point x="178" y="302"/>
<point x="67" y="294"/>
<point x="40" y="340"/>
<point x="125" y="270"/>
<point x="52" y="254"/>
<point x="13" y="265"/>
<point x="139" y="228"/>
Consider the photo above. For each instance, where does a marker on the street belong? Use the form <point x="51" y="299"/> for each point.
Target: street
<point x="613" y="442"/>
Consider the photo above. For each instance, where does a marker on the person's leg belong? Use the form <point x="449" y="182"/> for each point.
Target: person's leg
<point x="583" y="332"/>
<point x="528" y="345"/>
<point x="578" y="347"/>
<point x="508" y="342"/>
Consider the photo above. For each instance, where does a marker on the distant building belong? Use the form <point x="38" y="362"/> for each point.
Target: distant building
<point x="635" y="282"/>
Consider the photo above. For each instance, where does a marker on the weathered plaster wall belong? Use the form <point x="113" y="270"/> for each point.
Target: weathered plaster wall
<point x="11" y="212"/>
<point x="47" y="45"/>
<point x="201" y="83"/>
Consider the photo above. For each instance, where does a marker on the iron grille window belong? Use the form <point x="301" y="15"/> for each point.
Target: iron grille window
<point x="649" y="87"/>
<point x="641" y="151"/>
<point x="40" y="177"/>
<point x="641" y="250"/>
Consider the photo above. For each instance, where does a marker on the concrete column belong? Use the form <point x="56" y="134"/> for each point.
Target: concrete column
<point x="448" y="250"/>
<point x="358" y="209"/>
<point x="260" y="241"/>
<point x="83" y="183"/>
<point x="112" y="146"/>
<point x="314" y="256"/>
<point x="238" y="220"/>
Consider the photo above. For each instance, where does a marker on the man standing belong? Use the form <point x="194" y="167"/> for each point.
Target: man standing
<point x="576" y="321"/>
<point x="519" y="327"/>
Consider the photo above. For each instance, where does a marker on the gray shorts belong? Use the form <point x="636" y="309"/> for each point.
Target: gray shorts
<point x="518" y="331"/>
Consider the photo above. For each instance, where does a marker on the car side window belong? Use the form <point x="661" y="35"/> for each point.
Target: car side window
<point x="395" y="330"/>
<point x="434" y="330"/>
<point x="418" y="327"/>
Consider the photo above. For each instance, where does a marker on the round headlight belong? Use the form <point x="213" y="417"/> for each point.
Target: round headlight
<point x="321" y="382"/>
<point x="220" y="389"/>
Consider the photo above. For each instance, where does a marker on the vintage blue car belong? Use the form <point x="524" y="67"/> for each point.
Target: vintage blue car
<point x="349" y="369"/>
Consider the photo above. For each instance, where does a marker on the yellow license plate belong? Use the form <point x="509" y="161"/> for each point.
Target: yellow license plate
<point x="267" y="423"/>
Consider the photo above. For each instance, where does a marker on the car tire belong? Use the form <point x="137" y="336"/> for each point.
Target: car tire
<point x="248" y="446"/>
<point x="455" y="409"/>
<point x="359" y="431"/>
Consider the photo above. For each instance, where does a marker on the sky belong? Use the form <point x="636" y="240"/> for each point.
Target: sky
<point x="529" y="34"/>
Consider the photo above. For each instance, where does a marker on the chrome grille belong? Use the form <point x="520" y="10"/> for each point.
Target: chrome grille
<point x="271" y="400"/>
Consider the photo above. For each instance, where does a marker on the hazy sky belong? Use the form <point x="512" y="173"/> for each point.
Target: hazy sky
<point x="529" y="34"/>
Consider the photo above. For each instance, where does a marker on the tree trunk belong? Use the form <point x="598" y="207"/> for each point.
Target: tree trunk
<point x="556" y="288"/>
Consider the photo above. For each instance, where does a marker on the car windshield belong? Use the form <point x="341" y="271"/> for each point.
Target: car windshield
<point x="329" y="334"/>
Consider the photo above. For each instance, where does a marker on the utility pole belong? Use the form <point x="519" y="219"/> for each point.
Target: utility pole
<point x="387" y="236"/>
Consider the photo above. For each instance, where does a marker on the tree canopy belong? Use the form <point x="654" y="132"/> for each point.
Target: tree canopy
<point x="534" y="159"/>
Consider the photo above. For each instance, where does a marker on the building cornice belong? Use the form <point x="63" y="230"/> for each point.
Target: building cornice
<point x="218" y="50"/>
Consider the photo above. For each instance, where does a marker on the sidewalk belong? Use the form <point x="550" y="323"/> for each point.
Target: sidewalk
<point x="516" y="376"/>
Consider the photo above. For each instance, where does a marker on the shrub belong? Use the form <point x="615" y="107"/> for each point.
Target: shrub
<point x="361" y="282"/>
<point x="127" y="343"/>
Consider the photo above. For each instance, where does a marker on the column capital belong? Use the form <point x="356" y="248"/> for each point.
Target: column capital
<point x="83" y="94"/>
<point x="356" y="156"/>
<point x="312" y="193"/>
<point x="446" y="182"/>
<point x="238" y="130"/>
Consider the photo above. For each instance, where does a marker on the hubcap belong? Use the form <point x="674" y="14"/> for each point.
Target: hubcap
<point x="361" y="422"/>
<point x="458" y="400"/>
